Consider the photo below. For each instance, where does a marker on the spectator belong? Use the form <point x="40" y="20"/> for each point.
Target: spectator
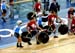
<point x="46" y="4"/>
<point x="3" y="6"/>
<point x="54" y="6"/>
<point x="11" y="3"/>
<point x="3" y="16"/>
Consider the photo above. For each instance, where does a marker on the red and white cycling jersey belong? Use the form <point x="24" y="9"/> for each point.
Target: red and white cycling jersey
<point x="32" y="25"/>
<point x="37" y="7"/>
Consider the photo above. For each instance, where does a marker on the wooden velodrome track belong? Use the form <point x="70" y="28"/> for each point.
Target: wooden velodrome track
<point x="65" y="43"/>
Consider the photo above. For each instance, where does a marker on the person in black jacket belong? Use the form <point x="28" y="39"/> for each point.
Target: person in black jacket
<point x="54" y="6"/>
<point x="46" y="4"/>
<point x="3" y="16"/>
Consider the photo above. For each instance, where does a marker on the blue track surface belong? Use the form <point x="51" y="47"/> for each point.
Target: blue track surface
<point x="22" y="10"/>
<point x="19" y="9"/>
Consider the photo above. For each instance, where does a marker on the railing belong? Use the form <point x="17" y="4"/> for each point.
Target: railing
<point x="22" y="1"/>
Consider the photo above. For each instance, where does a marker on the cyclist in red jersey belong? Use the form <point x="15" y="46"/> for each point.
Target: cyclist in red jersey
<point x="37" y="6"/>
<point x="51" y="19"/>
<point x="32" y="26"/>
<point x="70" y="17"/>
<point x="73" y="26"/>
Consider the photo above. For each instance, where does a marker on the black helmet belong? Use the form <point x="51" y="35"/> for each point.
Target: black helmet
<point x="31" y="15"/>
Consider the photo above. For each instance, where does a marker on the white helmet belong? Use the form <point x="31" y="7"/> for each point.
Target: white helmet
<point x="19" y="22"/>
